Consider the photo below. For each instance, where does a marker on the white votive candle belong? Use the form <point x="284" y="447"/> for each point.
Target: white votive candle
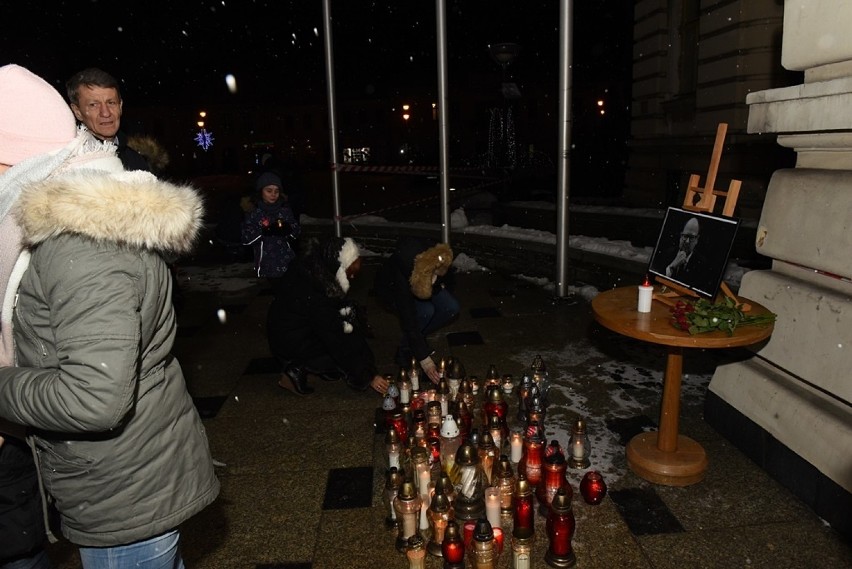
<point x="517" y="451"/>
<point x="492" y="506"/>
<point x="423" y="482"/>
<point x="578" y="449"/>
<point x="424" y="513"/>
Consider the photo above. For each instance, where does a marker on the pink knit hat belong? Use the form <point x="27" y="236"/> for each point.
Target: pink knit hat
<point x="34" y="118"/>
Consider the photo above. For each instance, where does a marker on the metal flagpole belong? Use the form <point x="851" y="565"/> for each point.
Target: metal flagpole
<point x="332" y="113"/>
<point x="566" y="9"/>
<point x="443" y="127"/>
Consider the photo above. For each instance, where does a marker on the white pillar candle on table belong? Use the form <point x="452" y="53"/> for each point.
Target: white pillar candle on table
<point x="646" y="296"/>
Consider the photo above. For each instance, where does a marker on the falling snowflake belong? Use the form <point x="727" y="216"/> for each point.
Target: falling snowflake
<point x="204" y="139"/>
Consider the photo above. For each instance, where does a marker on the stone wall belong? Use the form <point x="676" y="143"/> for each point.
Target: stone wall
<point x="790" y="408"/>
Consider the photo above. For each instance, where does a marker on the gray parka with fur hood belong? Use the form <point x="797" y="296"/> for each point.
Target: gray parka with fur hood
<point x="122" y="450"/>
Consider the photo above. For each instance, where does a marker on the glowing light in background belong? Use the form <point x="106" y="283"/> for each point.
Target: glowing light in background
<point x="231" y="82"/>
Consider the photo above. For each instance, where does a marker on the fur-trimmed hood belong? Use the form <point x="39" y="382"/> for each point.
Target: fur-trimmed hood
<point x="428" y="265"/>
<point x="135" y="209"/>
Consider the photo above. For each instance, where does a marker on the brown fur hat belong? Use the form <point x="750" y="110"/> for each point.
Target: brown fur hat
<point x="435" y="260"/>
<point x="151" y="150"/>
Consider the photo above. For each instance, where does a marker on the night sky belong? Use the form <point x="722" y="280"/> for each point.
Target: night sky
<point x="174" y="55"/>
<point x="178" y="52"/>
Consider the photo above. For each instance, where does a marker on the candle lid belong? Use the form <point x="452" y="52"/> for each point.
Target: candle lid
<point x="449" y="427"/>
<point x="452" y="531"/>
<point x="392" y="437"/>
<point x="466" y="455"/>
<point x="415" y="542"/>
<point x="483" y="530"/>
<point x="407" y="491"/>
<point x="522" y="486"/>
<point x="561" y="503"/>
<point x="440" y="502"/>
<point x="394" y="478"/>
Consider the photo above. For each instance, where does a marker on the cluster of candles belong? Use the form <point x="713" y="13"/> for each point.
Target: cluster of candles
<point x="456" y="483"/>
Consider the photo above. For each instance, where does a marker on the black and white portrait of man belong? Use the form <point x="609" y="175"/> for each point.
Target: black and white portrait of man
<point x="692" y="250"/>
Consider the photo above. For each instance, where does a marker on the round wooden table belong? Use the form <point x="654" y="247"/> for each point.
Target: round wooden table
<point x="666" y="457"/>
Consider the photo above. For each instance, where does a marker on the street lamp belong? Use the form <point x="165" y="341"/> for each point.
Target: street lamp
<point x="504" y="54"/>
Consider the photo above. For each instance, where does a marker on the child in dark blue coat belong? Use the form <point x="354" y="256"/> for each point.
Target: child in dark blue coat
<point x="271" y="228"/>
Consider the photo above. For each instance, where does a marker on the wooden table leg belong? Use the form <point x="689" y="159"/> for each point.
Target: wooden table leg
<point x="666" y="457"/>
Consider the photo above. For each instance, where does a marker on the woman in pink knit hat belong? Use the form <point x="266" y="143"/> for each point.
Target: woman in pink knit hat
<point x="22" y="136"/>
<point x="119" y="446"/>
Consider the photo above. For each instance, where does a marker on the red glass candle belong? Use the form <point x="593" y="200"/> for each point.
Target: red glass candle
<point x="452" y="547"/>
<point x="494" y="405"/>
<point x="523" y="512"/>
<point x="467" y="529"/>
<point x="498" y="539"/>
<point x="560" y="528"/>
<point x="554" y="469"/>
<point x="533" y="454"/>
<point x="593" y="487"/>
<point x="399" y="424"/>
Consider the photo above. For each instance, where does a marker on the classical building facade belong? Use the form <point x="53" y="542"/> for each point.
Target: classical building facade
<point x="695" y="61"/>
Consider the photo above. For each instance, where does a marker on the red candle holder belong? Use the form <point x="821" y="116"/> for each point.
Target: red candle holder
<point x="453" y="547"/>
<point x="560" y="529"/>
<point x="494" y="405"/>
<point x="467" y="532"/>
<point x="523" y="514"/>
<point x="533" y="454"/>
<point x="555" y="467"/>
<point x="498" y="539"/>
<point x="397" y="422"/>
<point x="593" y="487"/>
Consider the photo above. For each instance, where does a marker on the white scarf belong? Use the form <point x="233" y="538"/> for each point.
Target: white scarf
<point x="13" y="259"/>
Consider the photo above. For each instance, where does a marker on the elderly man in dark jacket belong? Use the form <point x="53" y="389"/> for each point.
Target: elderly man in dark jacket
<point x="314" y="328"/>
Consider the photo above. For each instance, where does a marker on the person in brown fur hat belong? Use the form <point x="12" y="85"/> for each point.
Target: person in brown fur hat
<point x="412" y="283"/>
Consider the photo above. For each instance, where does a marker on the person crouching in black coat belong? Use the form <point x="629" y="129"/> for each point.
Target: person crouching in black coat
<point x="312" y="326"/>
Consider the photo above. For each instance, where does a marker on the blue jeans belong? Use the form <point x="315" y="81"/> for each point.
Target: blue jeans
<point x="161" y="552"/>
<point x="436" y="312"/>
<point x="36" y="561"/>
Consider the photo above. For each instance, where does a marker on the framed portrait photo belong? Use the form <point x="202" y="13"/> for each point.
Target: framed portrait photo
<point x="692" y="250"/>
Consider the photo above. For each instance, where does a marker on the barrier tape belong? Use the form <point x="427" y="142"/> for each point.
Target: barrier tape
<point x="458" y="193"/>
<point x="408" y="169"/>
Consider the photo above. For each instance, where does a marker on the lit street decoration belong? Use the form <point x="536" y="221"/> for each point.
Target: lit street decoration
<point x="204" y="139"/>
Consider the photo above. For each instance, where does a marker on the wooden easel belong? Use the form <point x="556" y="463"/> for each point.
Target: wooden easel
<point x="703" y="199"/>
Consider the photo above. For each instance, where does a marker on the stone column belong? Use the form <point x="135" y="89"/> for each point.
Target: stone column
<point x="796" y="394"/>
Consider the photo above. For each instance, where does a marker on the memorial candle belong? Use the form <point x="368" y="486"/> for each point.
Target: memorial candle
<point x="517" y="443"/>
<point x="492" y="506"/>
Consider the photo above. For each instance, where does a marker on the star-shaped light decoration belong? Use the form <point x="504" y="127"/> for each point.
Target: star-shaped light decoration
<point x="204" y="139"/>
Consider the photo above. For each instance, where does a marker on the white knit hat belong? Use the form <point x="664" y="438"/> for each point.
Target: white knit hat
<point x="34" y="118"/>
